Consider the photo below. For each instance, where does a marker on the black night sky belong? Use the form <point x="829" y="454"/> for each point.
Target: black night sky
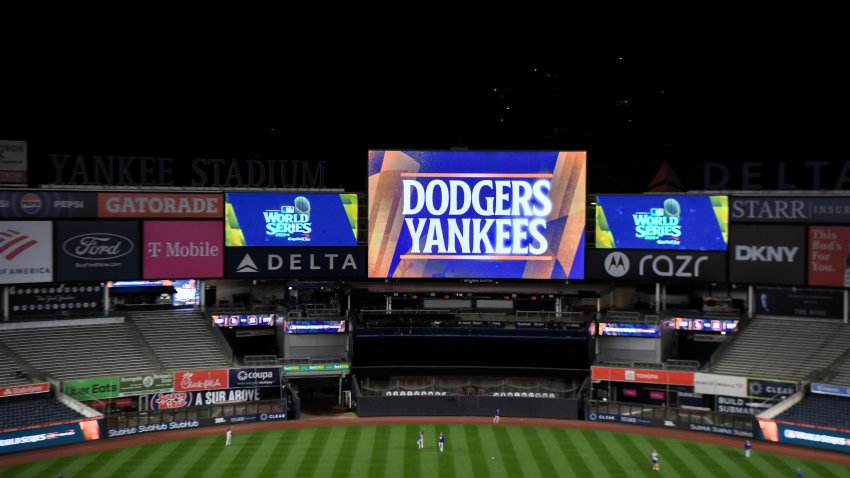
<point x="630" y="112"/>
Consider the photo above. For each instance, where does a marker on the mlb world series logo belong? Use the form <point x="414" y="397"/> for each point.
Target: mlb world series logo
<point x="290" y="221"/>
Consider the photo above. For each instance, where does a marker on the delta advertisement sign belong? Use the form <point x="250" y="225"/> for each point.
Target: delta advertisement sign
<point x="695" y="223"/>
<point x="264" y="219"/>
<point x="663" y="377"/>
<point x="26" y="252"/>
<point x="474" y="214"/>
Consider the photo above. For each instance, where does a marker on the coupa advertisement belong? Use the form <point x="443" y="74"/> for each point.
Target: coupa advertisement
<point x="262" y="219"/>
<point x="695" y="223"/>
<point x="474" y="214"/>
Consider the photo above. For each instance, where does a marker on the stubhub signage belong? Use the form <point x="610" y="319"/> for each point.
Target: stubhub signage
<point x="476" y="214"/>
<point x="697" y="223"/>
<point x="263" y="219"/>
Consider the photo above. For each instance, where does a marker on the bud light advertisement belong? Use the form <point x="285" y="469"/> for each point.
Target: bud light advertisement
<point x="688" y="223"/>
<point x="265" y="219"/>
<point x="477" y="214"/>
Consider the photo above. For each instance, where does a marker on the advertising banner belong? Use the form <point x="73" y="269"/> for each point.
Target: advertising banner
<point x="473" y="214"/>
<point x="145" y="384"/>
<point x="28" y="389"/>
<point x="256" y="262"/>
<point x="55" y="298"/>
<point x="705" y="325"/>
<point x="189" y="424"/>
<point x="714" y="384"/>
<point x="244" y="320"/>
<point x="797" y="302"/>
<point x="781" y="432"/>
<point x="266" y="219"/>
<point x="827" y="389"/>
<point x="628" y="330"/>
<point x="796" y="210"/>
<point x="13" y="162"/>
<point x="665" y="377"/>
<point x="695" y="223"/>
<point x="654" y="266"/>
<point x="91" y="388"/>
<point x="200" y="380"/>
<point x="28" y="204"/>
<point x="318" y="367"/>
<point x="26" y="252"/>
<point x="177" y="400"/>
<point x="741" y="406"/>
<point x="52" y="435"/>
<point x="829" y="256"/>
<point x="161" y="205"/>
<point x="188" y="249"/>
<point x="315" y="326"/>
<point x="97" y="250"/>
<point x="254" y="377"/>
<point x="770" y="388"/>
<point x="610" y="417"/>
<point x="767" y="254"/>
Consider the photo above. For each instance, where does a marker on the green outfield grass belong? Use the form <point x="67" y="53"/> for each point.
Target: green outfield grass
<point x="390" y="451"/>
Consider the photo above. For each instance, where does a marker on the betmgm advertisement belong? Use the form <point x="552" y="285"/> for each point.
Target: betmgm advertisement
<point x="688" y="223"/>
<point x="264" y="219"/>
<point x="474" y="214"/>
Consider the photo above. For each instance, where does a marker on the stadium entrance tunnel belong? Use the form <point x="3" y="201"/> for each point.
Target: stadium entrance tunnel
<point x="318" y="396"/>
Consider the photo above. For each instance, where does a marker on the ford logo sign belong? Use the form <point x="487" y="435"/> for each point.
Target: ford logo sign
<point x="98" y="247"/>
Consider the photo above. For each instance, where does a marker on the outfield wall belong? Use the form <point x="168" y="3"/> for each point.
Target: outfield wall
<point x="562" y="408"/>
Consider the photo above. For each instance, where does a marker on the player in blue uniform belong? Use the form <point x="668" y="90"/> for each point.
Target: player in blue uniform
<point x="421" y="440"/>
<point x="496" y="418"/>
<point x="747" y="448"/>
<point x="442" y="442"/>
<point x="655" y="465"/>
<point x="799" y="473"/>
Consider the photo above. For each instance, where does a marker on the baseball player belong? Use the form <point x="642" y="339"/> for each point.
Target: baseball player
<point x="799" y="473"/>
<point x="442" y="442"/>
<point x="229" y="435"/>
<point x="496" y="418"/>
<point x="420" y="442"/>
<point x="655" y="465"/>
<point x="747" y="448"/>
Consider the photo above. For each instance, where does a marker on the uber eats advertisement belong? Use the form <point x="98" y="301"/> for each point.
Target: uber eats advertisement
<point x="688" y="223"/>
<point x="271" y="219"/>
<point x="476" y="214"/>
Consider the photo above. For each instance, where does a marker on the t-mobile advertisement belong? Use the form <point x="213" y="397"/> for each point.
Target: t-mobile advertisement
<point x="183" y="249"/>
<point x="829" y="261"/>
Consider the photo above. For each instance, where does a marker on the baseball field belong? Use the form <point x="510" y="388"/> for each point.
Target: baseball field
<point x="471" y="450"/>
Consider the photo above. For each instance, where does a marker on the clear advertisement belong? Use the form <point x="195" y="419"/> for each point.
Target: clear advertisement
<point x="829" y="256"/>
<point x="189" y="249"/>
<point x="97" y="250"/>
<point x="28" y="204"/>
<point x="26" y="252"/>
<point x="473" y="214"/>
<point x="266" y="219"/>
<point x="695" y="223"/>
<point x="770" y="388"/>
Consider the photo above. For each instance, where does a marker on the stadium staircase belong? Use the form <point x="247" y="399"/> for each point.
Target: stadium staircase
<point x="783" y="348"/>
<point x="10" y="365"/>
<point x="181" y="339"/>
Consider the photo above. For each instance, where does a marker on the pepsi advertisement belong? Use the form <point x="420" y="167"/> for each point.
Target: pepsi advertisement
<point x="477" y="214"/>
<point x="687" y="223"/>
<point x="47" y="204"/>
<point x="266" y="219"/>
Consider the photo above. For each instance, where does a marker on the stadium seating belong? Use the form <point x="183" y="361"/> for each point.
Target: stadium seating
<point x="80" y="350"/>
<point x="8" y="372"/>
<point x="24" y="413"/>
<point x="842" y="369"/>
<point x="783" y="348"/>
<point x="181" y="339"/>
<point x="825" y="411"/>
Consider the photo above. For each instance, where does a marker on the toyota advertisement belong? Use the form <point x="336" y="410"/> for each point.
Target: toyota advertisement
<point x="264" y="219"/>
<point x="655" y="266"/>
<point x="474" y="214"/>
<point x="185" y="248"/>
<point x="97" y="250"/>
<point x="768" y="254"/>
<point x="26" y="252"/>
<point x="829" y="256"/>
<point x="687" y="223"/>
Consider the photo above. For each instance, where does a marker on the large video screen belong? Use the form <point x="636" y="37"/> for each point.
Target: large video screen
<point x="690" y="223"/>
<point x="315" y="326"/>
<point x="267" y="219"/>
<point x="474" y="214"/>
